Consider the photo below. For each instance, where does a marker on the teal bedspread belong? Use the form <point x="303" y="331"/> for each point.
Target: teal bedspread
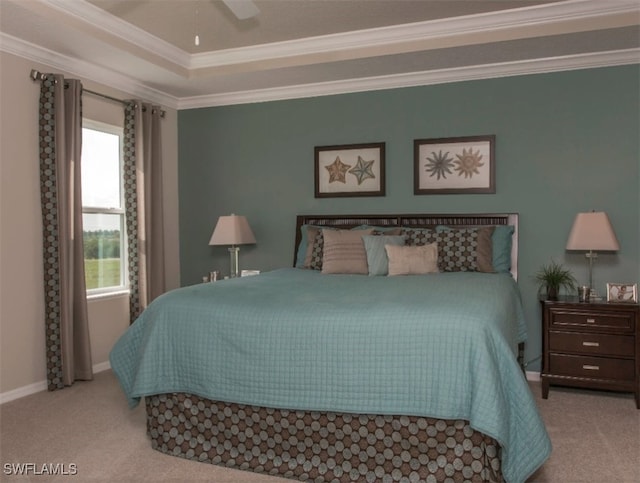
<point x="439" y="345"/>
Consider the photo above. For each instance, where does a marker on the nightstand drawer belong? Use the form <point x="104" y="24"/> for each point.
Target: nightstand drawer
<point x="615" y="320"/>
<point x="592" y="367"/>
<point x="592" y="344"/>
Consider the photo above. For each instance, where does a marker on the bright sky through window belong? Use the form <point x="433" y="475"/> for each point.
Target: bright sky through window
<point x="100" y="174"/>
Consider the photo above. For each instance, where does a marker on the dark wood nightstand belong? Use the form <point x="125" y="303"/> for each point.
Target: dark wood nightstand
<point x="592" y="345"/>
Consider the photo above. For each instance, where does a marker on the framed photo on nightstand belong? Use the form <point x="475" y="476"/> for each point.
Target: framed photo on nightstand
<point x="622" y="292"/>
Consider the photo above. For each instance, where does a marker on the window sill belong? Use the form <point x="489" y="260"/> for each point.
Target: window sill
<point x="108" y="295"/>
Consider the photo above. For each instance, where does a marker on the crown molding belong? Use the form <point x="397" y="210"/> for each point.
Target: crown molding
<point x="403" y="37"/>
<point x="102" y="20"/>
<point x="414" y="33"/>
<point x="459" y="74"/>
<point x="85" y="70"/>
<point x="117" y="81"/>
<point x="542" y="16"/>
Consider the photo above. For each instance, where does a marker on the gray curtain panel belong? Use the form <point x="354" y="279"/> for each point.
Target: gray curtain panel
<point x="68" y="351"/>
<point x="143" y="204"/>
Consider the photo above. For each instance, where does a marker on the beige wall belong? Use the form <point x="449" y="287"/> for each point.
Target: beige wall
<point x="22" y="346"/>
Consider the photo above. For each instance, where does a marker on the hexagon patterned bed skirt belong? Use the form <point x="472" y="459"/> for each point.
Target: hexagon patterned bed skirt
<point x="320" y="446"/>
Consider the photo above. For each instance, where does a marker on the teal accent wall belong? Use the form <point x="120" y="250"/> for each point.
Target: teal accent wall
<point x="566" y="142"/>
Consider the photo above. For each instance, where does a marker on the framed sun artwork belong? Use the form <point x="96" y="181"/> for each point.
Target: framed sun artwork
<point x="454" y="165"/>
<point x="349" y="170"/>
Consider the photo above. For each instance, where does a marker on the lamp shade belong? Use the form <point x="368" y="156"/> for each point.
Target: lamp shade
<point x="592" y="231"/>
<point x="232" y="230"/>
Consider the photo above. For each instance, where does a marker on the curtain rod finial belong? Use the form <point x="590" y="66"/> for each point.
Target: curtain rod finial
<point x="35" y="75"/>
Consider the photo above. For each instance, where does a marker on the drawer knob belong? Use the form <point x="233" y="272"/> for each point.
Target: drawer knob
<point x="591" y="321"/>
<point x="591" y="344"/>
<point x="591" y="368"/>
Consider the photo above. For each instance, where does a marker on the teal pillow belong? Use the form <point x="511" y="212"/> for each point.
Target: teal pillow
<point x="302" y="247"/>
<point x="376" y="254"/>
<point x="502" y="240"/>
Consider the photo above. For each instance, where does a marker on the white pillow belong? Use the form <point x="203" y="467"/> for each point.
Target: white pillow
<point x="412" y="260"/>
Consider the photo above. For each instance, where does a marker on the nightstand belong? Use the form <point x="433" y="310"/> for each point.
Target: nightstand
<point x="594" y="345"/>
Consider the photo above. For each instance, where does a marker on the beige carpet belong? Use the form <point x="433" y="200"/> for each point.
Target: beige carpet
<point x="595" y="436"/>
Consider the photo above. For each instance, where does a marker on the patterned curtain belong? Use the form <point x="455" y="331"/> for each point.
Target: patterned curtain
<point x="67" y="328"/>
<point x="143" y="204"/>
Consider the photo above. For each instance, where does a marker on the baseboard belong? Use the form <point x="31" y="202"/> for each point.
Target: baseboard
<point x="23" y="391"/>
<point x="102" y="366"/>
<point x="41" y="386"/>
<point x="533" y="376"/>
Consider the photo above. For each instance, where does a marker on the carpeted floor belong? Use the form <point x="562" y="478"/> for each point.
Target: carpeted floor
<point x="89" y="429"/>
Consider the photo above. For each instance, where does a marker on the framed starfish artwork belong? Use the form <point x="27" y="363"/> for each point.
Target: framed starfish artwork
<point x="349" y="170"/>
<point x="454" y="165"/>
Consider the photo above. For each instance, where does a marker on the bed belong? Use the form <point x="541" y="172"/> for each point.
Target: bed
<point x="321" y="372"/>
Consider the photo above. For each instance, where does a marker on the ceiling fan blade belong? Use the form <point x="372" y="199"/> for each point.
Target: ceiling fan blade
<point x="243" y="9"/>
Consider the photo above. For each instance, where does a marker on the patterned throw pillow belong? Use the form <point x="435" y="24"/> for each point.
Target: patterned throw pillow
<point x="315" y="246"/>
<point x="412" y="260"/>
<point x="419" y="236"/>
<point x="465" y="249"/>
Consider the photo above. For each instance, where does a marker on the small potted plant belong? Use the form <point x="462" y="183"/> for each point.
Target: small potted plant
<point x="552" y="277"/>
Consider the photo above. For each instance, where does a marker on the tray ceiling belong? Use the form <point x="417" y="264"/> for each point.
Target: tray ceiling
<point x="300" y="48"/>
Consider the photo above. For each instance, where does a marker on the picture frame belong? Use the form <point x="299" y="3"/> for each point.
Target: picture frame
<point x="458" y="165"/>
<point x="349" y="170"/>
<point x="622" y="292"/>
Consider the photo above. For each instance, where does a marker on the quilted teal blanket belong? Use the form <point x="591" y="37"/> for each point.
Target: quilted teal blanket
<point x="438" y="345"/>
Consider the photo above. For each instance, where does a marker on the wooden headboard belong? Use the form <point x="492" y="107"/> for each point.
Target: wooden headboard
<point x="414" y="221"/>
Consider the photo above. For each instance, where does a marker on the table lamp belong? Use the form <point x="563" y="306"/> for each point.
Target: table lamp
<point x="232" y="230"/>
<point x="592" y="232"/>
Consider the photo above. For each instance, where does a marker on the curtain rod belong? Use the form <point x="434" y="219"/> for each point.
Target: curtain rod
<point x="37" y="75"/>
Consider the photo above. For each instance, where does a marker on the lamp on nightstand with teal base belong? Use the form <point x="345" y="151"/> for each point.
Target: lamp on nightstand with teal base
<point x="232" y="230"/>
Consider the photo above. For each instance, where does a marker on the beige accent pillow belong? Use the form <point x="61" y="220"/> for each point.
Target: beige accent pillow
<point x="485" y="249"/>
<point x="344" y="251"/>
<point x="412" y="260"/>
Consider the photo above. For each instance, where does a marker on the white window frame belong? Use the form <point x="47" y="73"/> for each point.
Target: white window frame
<point x="124" y="259"/>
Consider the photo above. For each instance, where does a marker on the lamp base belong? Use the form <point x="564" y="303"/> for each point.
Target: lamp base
<point x="593" y="295"/>
<point x="234" y="270"/>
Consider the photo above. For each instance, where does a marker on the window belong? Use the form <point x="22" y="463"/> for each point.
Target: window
<point x="105" y="254"/>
